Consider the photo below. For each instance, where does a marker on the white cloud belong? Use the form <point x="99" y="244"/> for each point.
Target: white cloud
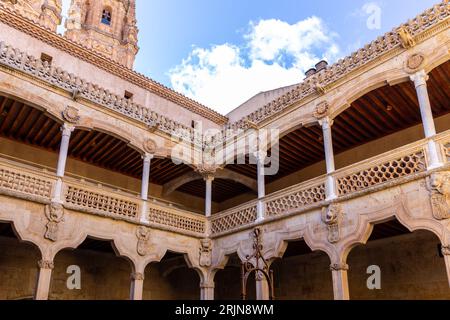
<point x="274" y="54"/>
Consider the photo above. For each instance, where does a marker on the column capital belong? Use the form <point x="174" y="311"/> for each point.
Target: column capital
<point x="67" y="129"/>
<point x="326" y="122"/>
<point x="46" y="264"/>
<point x="207" y="285"/>
<point x="147" y="157"/>
<point x="419" y="78"/>
<point x="445" y="250"/>
<point x="260" y="155"/>
<point x="137" y="276"/>
<point x="339" y="267"/>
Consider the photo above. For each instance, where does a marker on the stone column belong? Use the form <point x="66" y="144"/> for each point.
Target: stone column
<point x="137" y="286"/>
<point x="66" y="130"/>
<point x="144" y="186"/>
<point x="44" y="279"/>
<point x="340" y="281"/>
<point x="326" y="124"/>
<point x="207" y="291"/>
<point x="420" y="81"/>
<point x="260" y="158"/>
<point x="446" y="254"/>
<point x="208" y="197"/>
<point x="262" y="288"/>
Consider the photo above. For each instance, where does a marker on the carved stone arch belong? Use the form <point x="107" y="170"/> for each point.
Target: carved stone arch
<point x="379" y="80"/>
<point x="367" y="222"/>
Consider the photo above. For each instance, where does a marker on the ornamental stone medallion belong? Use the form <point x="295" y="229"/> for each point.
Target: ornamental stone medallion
<point x="415" y="62"/>
<point x="150" y="146"/>
<point x="70" y="114"/>
<point x="321" y="110"/>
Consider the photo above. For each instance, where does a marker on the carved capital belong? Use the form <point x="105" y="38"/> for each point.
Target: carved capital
<point x="137" y="276"/>
<point x="419" y="78"/>
<point x="46" y="264"/>
<point x="439" y="186"/>
<point x="207" y="171"/>
<point x="67" y="129"/>
<point x="339" y="267"/>
<point x="70" y="114"/>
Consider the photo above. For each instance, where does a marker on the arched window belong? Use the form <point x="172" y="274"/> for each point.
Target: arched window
<point x="106" y="16"/>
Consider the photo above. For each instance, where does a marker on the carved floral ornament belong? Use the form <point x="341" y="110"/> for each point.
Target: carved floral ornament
<point x="321" y="110"/>
<point x="150" y="146"/>
<point x="71" y="115"/>
<point x="439" y="186"/>
<point x="415" y="62"/>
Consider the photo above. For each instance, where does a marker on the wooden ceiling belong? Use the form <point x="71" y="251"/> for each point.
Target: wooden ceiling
<point x="378" y="113"/>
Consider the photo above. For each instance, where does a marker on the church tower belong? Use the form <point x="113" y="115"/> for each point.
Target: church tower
<point x="47" y="13"/>
<point x="106" y="26"/>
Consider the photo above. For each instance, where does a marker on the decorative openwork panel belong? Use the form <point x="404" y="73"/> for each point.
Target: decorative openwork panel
<point x="234" y="220"/>
<point x="382" y="173"/>
<point x="296" y="200"/>
<point x="168" y="219"/>
<point x="102" y="204"/>
<point x="25" y="183"/>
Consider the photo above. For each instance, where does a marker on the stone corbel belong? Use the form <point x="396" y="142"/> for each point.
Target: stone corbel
<point x="332" y="217"/>
<point x="439" y="187"/>
<point x="144" y="246"/>
<point x="205" y="259"/>
<point x="406" y="38"/>
<point x="55" y="215"/>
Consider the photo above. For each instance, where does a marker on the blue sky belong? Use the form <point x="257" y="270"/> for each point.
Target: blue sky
<point x="223" y="52"/>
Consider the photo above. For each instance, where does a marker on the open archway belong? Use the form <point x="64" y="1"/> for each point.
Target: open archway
<point x="396" y="264"/>
<point x="18" y="266"/>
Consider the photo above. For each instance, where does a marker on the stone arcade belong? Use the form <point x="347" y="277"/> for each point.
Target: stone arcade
<point x="87" y="178"/>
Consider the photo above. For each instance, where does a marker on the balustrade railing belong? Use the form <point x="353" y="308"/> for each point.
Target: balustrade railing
<point x="234" y="218"/>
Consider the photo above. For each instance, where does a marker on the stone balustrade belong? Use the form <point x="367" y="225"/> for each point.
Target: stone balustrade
<point x="234" y="218"/>
<point x="176" y="220"/>
<point x="24" y="183"/>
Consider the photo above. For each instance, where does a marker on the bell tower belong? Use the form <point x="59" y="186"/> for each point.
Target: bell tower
<point x="105" y="26"/>
<point x="46" y="13"/>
